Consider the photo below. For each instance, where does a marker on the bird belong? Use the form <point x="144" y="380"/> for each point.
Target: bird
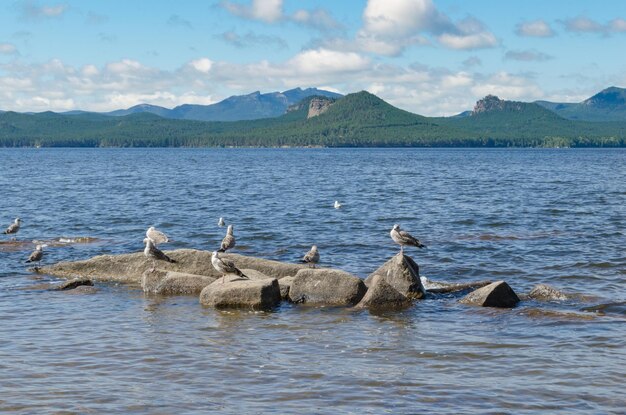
<point x="36" y="256"/>
<point x="220" y="222"/>
<point x="14" y="227"/>
<point x="337" y="205"/>
<point x="312" y="257"/>
<point x="225" y="266"/>
<point x="228" y="241"/>
<point x="156" y="236"/>
<point x="151" y="251"/>
<point x="404" y="238"/>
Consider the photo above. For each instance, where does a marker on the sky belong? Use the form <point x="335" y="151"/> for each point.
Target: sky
<point x="430" y="57"/>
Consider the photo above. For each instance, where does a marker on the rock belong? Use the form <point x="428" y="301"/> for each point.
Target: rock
<point x="164" y="282"/>
<point x="129" y="268"/>
<point x="403" y="275"/>
<point x="83" y="289"/>
<point x="253" y="274"/>
<point x="440" y="287"/>
<point x="71" y="284"/>
<point x="382" y="295"/>
<point x="544" y="292"/>
<point x="239" y="293"/>
<point x="496" y="294"/>
<point x="285" y="285"/>
<point x="323" y="286"/>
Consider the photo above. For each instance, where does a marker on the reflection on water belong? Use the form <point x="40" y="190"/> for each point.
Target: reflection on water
<point x="525" y="216"/>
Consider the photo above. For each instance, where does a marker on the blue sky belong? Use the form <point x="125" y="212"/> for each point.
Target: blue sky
<point x="426" y="56"/>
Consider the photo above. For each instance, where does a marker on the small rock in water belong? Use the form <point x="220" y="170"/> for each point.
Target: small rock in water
<point x="382" y="295"/>
<point x="497" y="294"/>
<point x="403" y="274"/>
<point x="71" y="284"/>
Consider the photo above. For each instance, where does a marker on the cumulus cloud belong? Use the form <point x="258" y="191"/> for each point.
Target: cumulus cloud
<point x="534" y="28"/>
<point x="251" y="39"/>
<point x="526" y="56"/>
<point x="389" y="26"/>
<point x="583" y="24"/>
<point x="31" y="10"/>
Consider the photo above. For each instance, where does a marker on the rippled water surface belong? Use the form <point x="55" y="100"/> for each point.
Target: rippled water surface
<point x="525" y="216"/>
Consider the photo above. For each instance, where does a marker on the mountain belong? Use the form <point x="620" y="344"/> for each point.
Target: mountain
<point x="356" y="120"/>
<point x="607" y="105"/>
<point x="235" y="108"/>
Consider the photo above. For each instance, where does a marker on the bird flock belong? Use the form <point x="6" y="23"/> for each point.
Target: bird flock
<point x="154" y="237"/>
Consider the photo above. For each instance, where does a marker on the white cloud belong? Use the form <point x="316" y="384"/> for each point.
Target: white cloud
<point x="322" y="61"/>
<point x="535" y="28"/>
<point x="583" y="24"/>
<point x="7" y="49"/>
<point x="30" y="9"/>
<point x="268" y="11"/>
<point x="390" y="26"/>
<point x="202" y="65"/>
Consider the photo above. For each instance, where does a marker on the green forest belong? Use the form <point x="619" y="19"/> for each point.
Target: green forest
<point x="356" y="120"/>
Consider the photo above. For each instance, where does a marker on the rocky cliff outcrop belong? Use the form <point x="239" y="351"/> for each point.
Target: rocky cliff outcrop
<point x="492" y="103"/>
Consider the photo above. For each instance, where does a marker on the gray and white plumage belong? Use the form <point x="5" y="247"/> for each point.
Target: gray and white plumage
<point x="404" y="238"/>
<point x="14" y="227"/>
<point x="312" y="257"/>
<point x="225" y="266"/>
<point x="157" y="236"/>
<point x="37" y="255"/>
<point x="221" y="222"/>
<point x="229" y="240"/>
<point x="151" y="251"/>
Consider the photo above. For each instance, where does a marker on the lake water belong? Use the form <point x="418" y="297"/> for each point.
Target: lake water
<point x="527" y="216"/>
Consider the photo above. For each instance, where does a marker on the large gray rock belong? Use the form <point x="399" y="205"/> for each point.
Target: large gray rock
<point x="129" y="268"/>
<point x="497" y="294"/>
<point x="323" y="286"/>
<point x="402" y="273"/>
<point x="382" y="295"/>
<point x="159" y="281"/>
<point x="240" y="293"/>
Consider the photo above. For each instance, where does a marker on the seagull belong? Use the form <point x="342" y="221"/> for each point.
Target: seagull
<point x="156" y="236"/>
<point x="404" y="238"/>
<point x="14" y="227"/>
<point x="228" y="241"/>
<point x="151" y="251"/>
<point x="36" y="255"/>
<point x="225" y="266"/>
<point x="220" y="222"/>
<point x="337" y="205"/>
<point x="312" y="257"/>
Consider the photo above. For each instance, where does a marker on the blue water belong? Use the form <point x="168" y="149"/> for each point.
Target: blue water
<point x="526" y="216"/>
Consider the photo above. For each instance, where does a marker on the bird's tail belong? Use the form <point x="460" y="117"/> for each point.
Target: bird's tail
<point x="221" y="250"/>
<point x="171" y="261"/>
<point x="242" y="275"/>
<point x="28" y="260"/>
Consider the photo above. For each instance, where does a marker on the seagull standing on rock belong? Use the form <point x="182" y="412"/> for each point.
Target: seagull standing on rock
<point x="225" y="266"/>
<point x="151" y="251"/>
<point x="14" y="227"/>
<point x="36" y="256"/>
<point x="228" y="241"/>
<point x="156" y="236"/>
<point x="404" y="238"/>
<point x="312" y="257"/>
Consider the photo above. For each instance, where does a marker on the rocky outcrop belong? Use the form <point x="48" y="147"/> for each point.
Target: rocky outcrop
<point x="440" y="287"/>
<point x="318" y="105"/>
<point x="402" y="273"/>
<point x="235" y="292"/>
<point x="382" y="295"/>
<point x="326" y="287"/>
<point x="158" y="281"/>
<point x="544" y="292"/>
<point x="492" y="103"/>
<point x="73" y="283"/>
<point x="497" y="294"/>
<point x="129" y="268"/>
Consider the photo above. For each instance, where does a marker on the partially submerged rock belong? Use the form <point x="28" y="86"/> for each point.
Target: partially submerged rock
<point x="129" y="268"/>
<point x="323" y="286"/>
<point x="236" y="292"/>
<point x="402" y="273"/>
<point x="382" y="295"/>
<point x="285" y="285"/>
<point x="159" y="281"/>
<point x="441" y="287"/>
<point x="544" y="292"/>
<point x="497" y="294"/>
<point x="72" y="284"/>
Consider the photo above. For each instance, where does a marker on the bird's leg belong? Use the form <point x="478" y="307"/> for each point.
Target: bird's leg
<point x="402" y="249"/>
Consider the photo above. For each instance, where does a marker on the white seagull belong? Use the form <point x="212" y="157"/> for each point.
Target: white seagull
<point x="14" y="227"/>
<point x="220" y="222"/>
<point x="337" y="205"/>
<point x="312" y="257"/>
<point x="36" y="255"/>
<point x="225" y="266"/>
<point x="404" y="238"/>
<point x="157" y="236"/>
<point x="228" y="241"/>
<point x="151" y="251"/>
